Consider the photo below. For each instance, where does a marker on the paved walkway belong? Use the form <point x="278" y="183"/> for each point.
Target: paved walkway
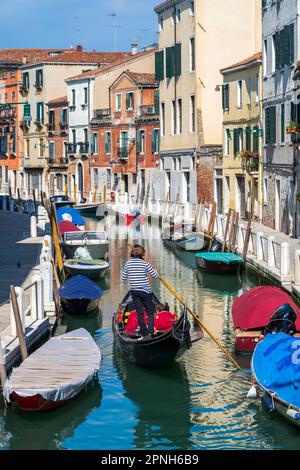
<point x="18" y="256"/>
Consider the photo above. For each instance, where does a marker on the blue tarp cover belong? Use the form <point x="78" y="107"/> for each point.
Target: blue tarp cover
<point x="80" y="287"/>
<point x="276" y="365"/>
<point x="73" y="213"/>
<point x="226" y="258"/>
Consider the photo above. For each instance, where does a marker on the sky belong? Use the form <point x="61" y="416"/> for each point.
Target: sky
<point x="67" y="23"/>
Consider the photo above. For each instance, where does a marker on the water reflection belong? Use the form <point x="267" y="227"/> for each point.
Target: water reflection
<point x="162" y="398"/>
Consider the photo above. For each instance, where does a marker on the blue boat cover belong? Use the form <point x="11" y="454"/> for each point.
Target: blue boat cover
<point x="226" y="258"/>
<point x="276" y="365"/>
<point x="80" y="287"/>
<point x="73" y="214"/>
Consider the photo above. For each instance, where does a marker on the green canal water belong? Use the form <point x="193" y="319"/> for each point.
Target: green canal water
<point x="199" y="403"/>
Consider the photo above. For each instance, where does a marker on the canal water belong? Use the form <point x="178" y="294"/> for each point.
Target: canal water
<point x="199" y="403"/>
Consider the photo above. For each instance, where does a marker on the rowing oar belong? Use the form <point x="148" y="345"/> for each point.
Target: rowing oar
<point x="200" y="322"/>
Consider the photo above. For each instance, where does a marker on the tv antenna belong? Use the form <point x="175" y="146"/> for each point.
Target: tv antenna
<point x="143" y="31"/>
<point x="115" y="26"/>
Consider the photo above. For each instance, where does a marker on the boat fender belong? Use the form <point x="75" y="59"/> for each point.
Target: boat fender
<point x="119" y="316"/>
<point x="293" y="414"/>
<point x="268" y="403"/>
<point x="252" y="393"/>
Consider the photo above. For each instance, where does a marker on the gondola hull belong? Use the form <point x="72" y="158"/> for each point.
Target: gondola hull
<point x="217" y="266"/>
<point x="79" y="306"/>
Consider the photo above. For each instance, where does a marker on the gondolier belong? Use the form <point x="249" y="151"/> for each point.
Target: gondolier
<point x="136" y="271"/>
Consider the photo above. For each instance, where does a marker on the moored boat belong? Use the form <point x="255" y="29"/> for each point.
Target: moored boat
<point x="252" y="311"/>
<point x="159" y="350"/>
<point x="86" y="267"/>
<point x="61" y="201"/>
<point x="80" y="295"/>
<point x="70" y="214"/>
<point x="96" y="244"/>
<point x="55" y="374"/>
<point x="91" y="210"/>
<point x="220" y="263"/>
<point x="67" y="226"/>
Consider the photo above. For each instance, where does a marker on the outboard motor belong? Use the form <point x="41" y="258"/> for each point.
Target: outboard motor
<point x="216" y="247"/>
<point x="282" y="320"/>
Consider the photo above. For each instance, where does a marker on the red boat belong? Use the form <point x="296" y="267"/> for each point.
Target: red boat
<point x="55" y="374"/>
<point x="252" y="312"/>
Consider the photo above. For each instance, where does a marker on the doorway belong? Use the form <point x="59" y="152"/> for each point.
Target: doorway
<point x="241" y="196"/>
<point x="80" y="180"/>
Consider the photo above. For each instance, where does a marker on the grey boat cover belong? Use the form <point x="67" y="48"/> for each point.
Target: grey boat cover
<point x="58" y="370"/>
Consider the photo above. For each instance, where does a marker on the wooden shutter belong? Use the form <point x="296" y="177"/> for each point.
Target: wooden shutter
<point x="170" y="66"/>
<point x="248" y="139"/>
<point x="177" y="58"/>
<point x="159" y="65"/>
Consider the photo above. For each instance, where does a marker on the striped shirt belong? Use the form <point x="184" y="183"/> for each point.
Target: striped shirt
<point x="135" y="271"/>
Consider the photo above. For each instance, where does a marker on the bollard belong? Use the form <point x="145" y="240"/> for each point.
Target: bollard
<point x="271" y="254"/>
<point x="47" y="242"/>
<point x="285" y="259"/>
<point x="259" y="246"/>
<point x="20" y="298"/>
<point x="297" y="268"/>
<point x="46" y="271"/>
<point x="33" y="227"/>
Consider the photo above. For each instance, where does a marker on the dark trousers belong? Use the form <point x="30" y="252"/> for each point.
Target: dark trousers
<point x="142" y="301"/>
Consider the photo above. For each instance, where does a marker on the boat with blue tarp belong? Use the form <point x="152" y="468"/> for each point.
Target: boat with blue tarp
<point x="69" y="214"/>
<point x="80" y="295"/>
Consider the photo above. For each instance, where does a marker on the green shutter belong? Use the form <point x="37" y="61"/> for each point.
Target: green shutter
<point x="159" y="66"/>
<point x="267" y="125"/>
<point x="273" y="124"/>
<point x="291" y="43"/>
<point x="255" y="139"/>
<point x="248" y="139"/>
<point x="177" y="59"/>
<point x="225" y="97"/>
<point x="139" y="142"/>
<point x="170" y="65"/>
<point x="281" y="48"/>
<point x="282" y="123"/>
<point x="156" y="101"/>
<point x="277" y="50"/>
<point x="235" y="141"/>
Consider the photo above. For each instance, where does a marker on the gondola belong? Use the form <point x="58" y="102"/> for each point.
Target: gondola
<point x="220" y="263"/>
<point x="79" y="295"/>
<point x="159" y="350"/>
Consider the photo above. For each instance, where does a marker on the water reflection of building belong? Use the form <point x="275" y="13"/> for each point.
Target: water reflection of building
<point x="162" y="398"/>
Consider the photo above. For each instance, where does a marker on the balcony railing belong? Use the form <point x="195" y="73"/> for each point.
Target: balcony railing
<point x="84" y="147"/>
<point x="122" y="153"/>
<point x="148" y="110"/>
<point x="71" y="148"/>
<point x="7" y="115"/>
<point x="102" y="113"/>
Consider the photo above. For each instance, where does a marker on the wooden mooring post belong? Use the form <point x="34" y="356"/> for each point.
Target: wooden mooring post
<point x="19" y="326"/>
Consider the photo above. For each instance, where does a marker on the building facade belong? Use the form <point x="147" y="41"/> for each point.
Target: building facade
<point x="240" y="185"/>
<point x="127" y="134"/>
<point x="194" y="43"/>
<point x="280" y="51"/>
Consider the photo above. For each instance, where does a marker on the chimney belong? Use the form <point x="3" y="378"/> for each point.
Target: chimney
<point x="79" y="48"/>
<point x="134" y="49"/>
<point x="24" y="59"/>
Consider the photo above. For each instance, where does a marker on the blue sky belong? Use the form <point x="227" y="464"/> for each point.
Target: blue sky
<point x="55" y="23"/>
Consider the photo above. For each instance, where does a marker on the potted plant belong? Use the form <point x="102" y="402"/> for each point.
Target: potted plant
<point x="291" y="128"/>
<point x="298" y="197"/>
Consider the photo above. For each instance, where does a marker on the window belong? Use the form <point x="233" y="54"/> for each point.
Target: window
<point x="161" y="23"/>
<point x="51" y="120"/>
<point x="73" y="97"/>
<point x="265" y="58"/>
<point x="40" y="112"/>
<point x="248" y="139"/>
<point x="173" y="61"/>
<point x="174" y="130"/>
<point x="163" y="119"/>
<point x="59" y="181"/>
<point x="107" y="149"/>
<point x="179" y="113"/>
<point x="240" y="138"/>
<point x="129" y="100"/>
<point x="85" y="95"/>
<point x="27" y="148"/>
<point x="178" y="14"/>
<point x="193" y="114"/>
<point x="227" y="142"/>
<point x="249" y="85"/>
<point x="273" y="55"/>
<point x="85" y="131"/>
<point x="13" y="97"/>
<point x="74" y="136"/>
<point x="95" y="143"/>
<point x="5" y="98"/>
<point x="284" y="46"/>
<point x="225" y="97"/>
<point x="265" y="190"/>
<point x="38" y="79"/>
<point x="270" y="125"/>
<point x="25" y="81"/>
<point x="141" y="145"/>
<point x="255" y="139"/>
<point x="42" y="147"/>
<point x="257" y="89"/>
<point x="123" y="144"/>
<point x="155" y="140"/>
<point x="51" y="152"/>
<point x="237" y="140"/>
<point x="13" y="140"/>
<point x="192" y="8"/>
<point x="240" y="93"/>
<point x="65" y="146"/>
<point x="118" y="101"/>
<point x="159" y="66"/>
<point x="192" y="54"/>
<point x="282" y="123"/>
<point x="63" y="118"/>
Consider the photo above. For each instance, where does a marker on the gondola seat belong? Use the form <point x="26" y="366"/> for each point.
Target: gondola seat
<point x="163" y="321"/>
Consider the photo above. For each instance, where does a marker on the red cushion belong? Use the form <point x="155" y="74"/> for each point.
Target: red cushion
<point x="163" y="321"/>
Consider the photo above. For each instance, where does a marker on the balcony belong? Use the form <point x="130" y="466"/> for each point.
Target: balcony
<point x="71" y="149"/>
<point x="250" y="163"/>
<point x="148" y="110"/>
<point x="7" y="116"/>
<point x="38" y="86"/>
<point x="102" y="115"/>
<point x="24" y="88"/>
<point x="39" y="123"/>
<point x="83" y="148"/>
<point x="25" y="124"/>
